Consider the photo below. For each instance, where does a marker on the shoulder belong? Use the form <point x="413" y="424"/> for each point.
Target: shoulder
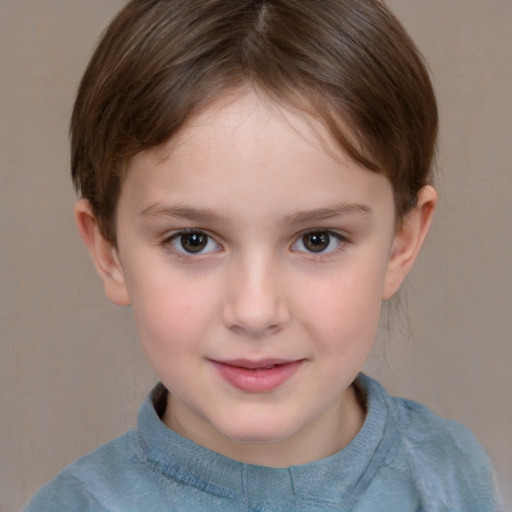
<point x="85" y="484"/>
<point x="64" y="493"/>
<point x="442" y="457"/>
<point x="436" y="441"/>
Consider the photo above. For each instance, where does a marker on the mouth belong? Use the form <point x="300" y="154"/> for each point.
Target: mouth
<point x="257" y="376"/>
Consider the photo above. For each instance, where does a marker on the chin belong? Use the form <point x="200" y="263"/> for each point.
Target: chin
<point x="258" y="432"/>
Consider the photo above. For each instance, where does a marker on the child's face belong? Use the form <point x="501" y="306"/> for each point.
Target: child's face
<point x="255" y="263"/>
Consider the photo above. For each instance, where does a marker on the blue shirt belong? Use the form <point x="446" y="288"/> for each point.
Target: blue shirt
<point x="404" y="458"/>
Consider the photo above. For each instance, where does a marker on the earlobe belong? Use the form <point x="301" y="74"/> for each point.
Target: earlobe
<point x="408" y="240"/>
<point x="103" y="253"/>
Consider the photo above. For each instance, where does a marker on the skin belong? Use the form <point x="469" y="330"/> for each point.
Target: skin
<point x="257" y="185"/>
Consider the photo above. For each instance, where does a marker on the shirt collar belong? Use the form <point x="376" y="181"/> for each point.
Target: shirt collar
<point x="343" y="477"/>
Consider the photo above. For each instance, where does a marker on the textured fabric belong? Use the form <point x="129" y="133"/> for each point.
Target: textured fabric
<point x="404" y="458"/>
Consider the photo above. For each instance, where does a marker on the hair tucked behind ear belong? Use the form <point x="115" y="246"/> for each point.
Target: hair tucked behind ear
<point x="348" y="63"/>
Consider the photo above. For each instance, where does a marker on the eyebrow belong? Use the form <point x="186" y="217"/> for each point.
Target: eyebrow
<point x="205" y="215"/>
<point x="318" y="214"/>
<point x="181" y="212"/>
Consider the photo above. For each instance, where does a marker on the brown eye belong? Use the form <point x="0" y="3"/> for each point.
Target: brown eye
<point x="317" y="241"/>
<point x="322" y="241"/>
<point x="193" y="242"/>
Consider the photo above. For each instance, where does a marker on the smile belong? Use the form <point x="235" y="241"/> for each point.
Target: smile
<point x="257" y="376"/>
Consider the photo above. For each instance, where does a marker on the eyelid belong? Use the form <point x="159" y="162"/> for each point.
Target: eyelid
<point x="332" y="231"/>
<point x="168" y="240"/>
<point x="341" y="238"/>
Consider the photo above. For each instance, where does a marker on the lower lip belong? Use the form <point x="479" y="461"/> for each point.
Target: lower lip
<point x="258" y="380"/>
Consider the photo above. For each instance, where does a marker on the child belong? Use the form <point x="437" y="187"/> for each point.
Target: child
<point x="255" y="180"/>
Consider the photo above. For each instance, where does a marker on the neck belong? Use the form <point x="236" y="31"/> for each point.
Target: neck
<point x="324" y="436"/>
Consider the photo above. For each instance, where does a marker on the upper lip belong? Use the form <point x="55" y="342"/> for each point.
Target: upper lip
<point x="254" y="364"/>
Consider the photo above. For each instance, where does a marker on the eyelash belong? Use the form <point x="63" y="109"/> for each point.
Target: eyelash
<point x="332" y="236"/>
<point x="168" y="243"/>
<point x="187" y="255"/>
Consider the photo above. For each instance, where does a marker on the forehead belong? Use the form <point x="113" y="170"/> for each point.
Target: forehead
<point x="240" y="118"/>
<point x="253" y="150"/>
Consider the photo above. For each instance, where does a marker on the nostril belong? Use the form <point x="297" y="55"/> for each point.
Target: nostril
<point x="255" y="321"/>
<point x="254" y="303"/>
<point x="252" y="331"/>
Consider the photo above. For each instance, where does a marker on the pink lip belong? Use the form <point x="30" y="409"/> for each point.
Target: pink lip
<point x="257" y="376"/>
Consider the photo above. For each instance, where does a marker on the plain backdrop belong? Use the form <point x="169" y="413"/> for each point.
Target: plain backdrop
<point x="71" y="373"/>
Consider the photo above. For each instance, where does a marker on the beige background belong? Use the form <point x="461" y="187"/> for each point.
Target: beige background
<point x="71" y="373"/>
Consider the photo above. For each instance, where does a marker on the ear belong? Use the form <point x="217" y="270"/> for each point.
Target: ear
<point x="103" y="254"/>
<point x="408" y="240"/>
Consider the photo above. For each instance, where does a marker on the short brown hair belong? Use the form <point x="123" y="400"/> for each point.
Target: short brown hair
<point x="348" y="63"/>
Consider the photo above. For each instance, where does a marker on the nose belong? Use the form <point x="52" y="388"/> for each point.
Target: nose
<point x="255" y="302"/>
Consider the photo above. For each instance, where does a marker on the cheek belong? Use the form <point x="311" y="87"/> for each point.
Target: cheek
<point x="345" y="310"/>
<point x="169" y="311"/>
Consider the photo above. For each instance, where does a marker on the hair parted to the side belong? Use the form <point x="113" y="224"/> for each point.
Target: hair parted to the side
<point x="348" y="63"/>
